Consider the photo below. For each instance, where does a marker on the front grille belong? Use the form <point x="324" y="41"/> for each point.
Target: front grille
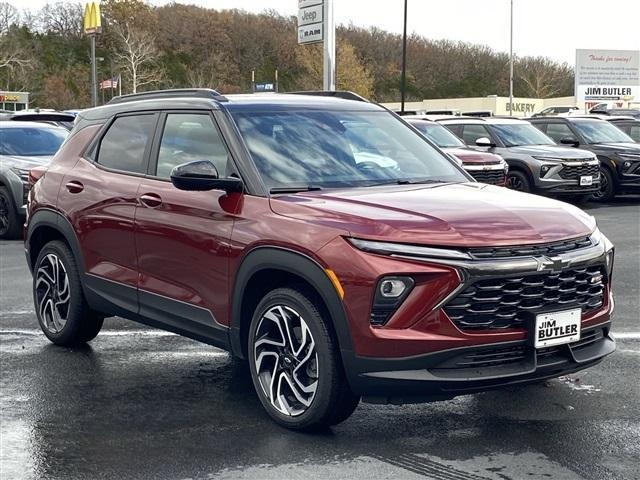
<point x="508" y="302"/>
<point x="548" y="249"/>
<point x="588" y="338"/>
<point x="574" y="172"/>
<point x="492" y="177"/>
<point x="492" y="358"/>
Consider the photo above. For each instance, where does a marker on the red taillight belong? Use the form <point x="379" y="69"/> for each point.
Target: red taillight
<point x="34" y="175"/>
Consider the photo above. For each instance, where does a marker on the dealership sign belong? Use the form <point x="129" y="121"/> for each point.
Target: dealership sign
<point x="611" y="76"/>
<point x="310" y="21"/>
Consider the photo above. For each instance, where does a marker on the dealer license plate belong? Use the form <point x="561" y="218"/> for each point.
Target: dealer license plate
<point x="586" y="180"/>
<point x="557" y="328"/>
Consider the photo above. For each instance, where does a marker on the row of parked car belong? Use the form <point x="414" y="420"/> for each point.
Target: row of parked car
<point x="578" y="158"/>
<point x="575" y="157"/>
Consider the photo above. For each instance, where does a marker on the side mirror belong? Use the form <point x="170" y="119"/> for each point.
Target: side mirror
<point x="201" y="176"/>
<point x="485" y="142"/>
<point x="570" y="141"/>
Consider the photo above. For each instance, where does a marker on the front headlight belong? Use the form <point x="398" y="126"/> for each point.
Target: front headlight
<point x="406" y="250"/>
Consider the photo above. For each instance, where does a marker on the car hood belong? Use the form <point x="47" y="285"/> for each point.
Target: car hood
<point x="24" y="162"/>
<point x="464" y="214"/>
<point x="552" y="151"/>
<point x="471" y="156"/>
<point x="617" y="148"/>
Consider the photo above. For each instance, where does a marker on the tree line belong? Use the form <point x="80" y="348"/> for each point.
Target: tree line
<point x="46" y="53"/>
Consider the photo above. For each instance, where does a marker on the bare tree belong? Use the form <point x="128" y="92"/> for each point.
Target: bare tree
<point x="62" y="18"/>
<point x="542" y="77"/>
<point x="9" y="16"/>
<point x="138" y="55"/>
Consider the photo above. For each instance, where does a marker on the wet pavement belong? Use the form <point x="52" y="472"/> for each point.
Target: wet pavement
<point x="140" y="403"/>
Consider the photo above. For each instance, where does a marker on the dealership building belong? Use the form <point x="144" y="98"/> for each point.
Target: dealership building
<point x="522" y="107"/>
<point x="14" y="101"/>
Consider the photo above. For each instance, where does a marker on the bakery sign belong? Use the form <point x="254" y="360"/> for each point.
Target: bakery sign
<point x="607" y="76"/>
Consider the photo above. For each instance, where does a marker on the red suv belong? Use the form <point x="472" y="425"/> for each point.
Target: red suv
<point x="322" y="239"/>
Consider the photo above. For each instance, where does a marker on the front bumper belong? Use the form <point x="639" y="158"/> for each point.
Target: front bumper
<point x="557" y="181"/>
<point x="445" y="374"/>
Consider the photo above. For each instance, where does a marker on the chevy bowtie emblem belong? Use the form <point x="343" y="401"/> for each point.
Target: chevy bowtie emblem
<point x="552" y="264"/>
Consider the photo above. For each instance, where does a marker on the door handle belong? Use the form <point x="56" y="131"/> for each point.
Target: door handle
<point x="150" y="200"/>
<point x="74" y="186"/>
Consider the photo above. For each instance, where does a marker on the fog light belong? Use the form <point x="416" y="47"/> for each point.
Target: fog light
<point x="544" y="169"/>
<point x="392" y="287"/>
<point x="389" y="295"/>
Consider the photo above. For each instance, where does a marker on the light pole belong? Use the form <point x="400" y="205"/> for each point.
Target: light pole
<point x="511" y="63"/>
<point x="403" y="75"/>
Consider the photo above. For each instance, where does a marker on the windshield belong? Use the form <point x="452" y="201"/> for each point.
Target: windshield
<point x="339" y="149"/>
<point x="601" y="132"/>
<point x="31" y="141"/>
<point x="438" y="134"/>
<point x="516" y="134"/>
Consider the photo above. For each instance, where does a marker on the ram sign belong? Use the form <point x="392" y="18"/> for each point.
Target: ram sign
<point x="611" y="76"/>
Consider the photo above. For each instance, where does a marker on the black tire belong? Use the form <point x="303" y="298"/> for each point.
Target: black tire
<point x="10" y="225"/>
<point x="517" y="180"/>
<point x="607" y="186"/>
<point x="333" y="401"/>
<point x="80" y="324"/>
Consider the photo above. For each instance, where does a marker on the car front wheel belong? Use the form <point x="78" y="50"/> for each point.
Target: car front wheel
<point x="295" y="363"/>
<point x="518" y="181"/>
<point x="607" y="186"/>
<point x="10" y="226"/>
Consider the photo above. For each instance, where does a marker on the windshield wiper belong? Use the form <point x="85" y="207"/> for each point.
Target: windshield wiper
<point x="295" y="189"/>
<point x="405" y="182"/>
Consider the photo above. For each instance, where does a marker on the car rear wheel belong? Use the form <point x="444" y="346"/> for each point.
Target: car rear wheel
<point x="518" y="181"/>
<point x="10" y="226"/>
<point x="61" y="309"/>
<point x="295" y="364"/>
<point x="607" y="187"/>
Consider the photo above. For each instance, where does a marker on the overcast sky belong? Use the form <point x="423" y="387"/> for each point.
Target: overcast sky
<point x="553" y="28"/>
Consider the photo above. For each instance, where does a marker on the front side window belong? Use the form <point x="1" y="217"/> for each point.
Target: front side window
<point x="31" y="141"/>
<point x="471" y="133"/>
<point x="123" y="146"/>
<point x="438" y="134"/>
<point x="517" y="134"/>
<point x="601" y="132"/>
<point x="634" y="132"/>
<point x="558" y="131"/>
<point x="339" y="149"/>
<point x="190" y="137"/>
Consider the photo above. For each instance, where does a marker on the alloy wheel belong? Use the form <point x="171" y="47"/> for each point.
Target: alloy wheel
<point x="53" y="295"/>
<point x="515" y="183"/>
<point x="286" y="360"/>
<point x="4" y="215"/>
<point x="604" y="185"/>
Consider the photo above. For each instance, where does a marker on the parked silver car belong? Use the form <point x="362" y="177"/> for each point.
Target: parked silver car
<point x="23" y="145"/>
<point x="536" y="163"/>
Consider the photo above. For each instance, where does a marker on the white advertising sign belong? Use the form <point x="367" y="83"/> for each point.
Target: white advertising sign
<point x="611" y="76"/>
<point x="310" y="21"/>
<point x="309" y="15"/>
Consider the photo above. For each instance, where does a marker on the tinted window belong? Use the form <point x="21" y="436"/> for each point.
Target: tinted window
<point x="190" y="138"/>
<point x="438" y="134"/>
<point x="471" y="133"/>
<point x="339" y="149"/>
<point x="601" y="132"/>
<point x="124" y="144"/>
<point x="31" y="141"/>
<point x="558" y="131"/>
<point x="634" y="132"/>
<point x="515" y="134"/>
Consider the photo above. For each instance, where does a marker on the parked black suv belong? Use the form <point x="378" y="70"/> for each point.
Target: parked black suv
<point x="619" y="155"/>
<point x="629" y="125"/>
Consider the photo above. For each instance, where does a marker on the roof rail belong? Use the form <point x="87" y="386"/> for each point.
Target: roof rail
<point x="171" y="93"/>
<point x="344" y="94"/>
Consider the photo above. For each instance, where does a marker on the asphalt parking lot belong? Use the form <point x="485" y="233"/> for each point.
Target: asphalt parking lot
<point x="140" y="403"/>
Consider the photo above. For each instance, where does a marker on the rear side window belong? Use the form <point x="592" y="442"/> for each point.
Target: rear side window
<point x="634" y="132"/>
<point x="123" y="146"/>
